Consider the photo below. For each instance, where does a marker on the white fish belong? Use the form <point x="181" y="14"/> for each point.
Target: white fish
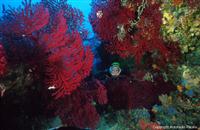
<point x="51" y="87"/>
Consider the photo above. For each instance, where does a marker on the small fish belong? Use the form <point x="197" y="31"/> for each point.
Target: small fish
<point x="99" y="14"/>
<point x="51" y="87"/>
<point x="115" y="69"/>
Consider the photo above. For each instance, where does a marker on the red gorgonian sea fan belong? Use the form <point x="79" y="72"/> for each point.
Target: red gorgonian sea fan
<point x="79" y="109"/>
<point x="3" y="61"/>
<point x="74" y="17"/>
<point x="69" y="62"/>
<point x="108" y="16"/>
<point x="124" y="38"/>
<point x="27" y="20"/>
<point x="148" y="38"/>
<point x="101" y="93"/>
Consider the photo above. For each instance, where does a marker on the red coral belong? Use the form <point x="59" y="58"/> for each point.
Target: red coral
<point x="101" y="93"/>
<point x="32" y="22"/>
<point x="91" y="117"/>
<point x="3" y="62"/>
<point x="27" y="20"/>
<point x="68" y="61"/>
<point x="113" y="14"/>
<point x="148" y="36"/>
<point x="133" y="42"/>
<point x="74" y="17"/>
<point x="78" y="109"/>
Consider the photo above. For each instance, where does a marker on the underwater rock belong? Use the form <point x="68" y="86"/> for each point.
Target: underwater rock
<point x="126" y="93"/>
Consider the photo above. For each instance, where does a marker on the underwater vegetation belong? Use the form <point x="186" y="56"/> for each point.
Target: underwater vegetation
<point x="147" y="76"/>
<point x="3" y="60"/>
<point x="62" y="54"/>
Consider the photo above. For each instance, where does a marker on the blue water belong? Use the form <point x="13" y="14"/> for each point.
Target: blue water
<point x="83" y="5"/>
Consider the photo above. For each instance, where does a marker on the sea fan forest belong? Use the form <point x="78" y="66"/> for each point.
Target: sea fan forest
<point x="140" y="70"/>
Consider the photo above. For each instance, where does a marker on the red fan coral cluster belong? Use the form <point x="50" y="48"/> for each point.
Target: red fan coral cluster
<point x="63" y="64"/>
<point x="64" y="58"/>
<point x="74" y="17"/>
<point x="113" y="15"/>
<point x="32" y="21"/>
<point x="3" y="62"/>
<point x="101" y="93"/>
<point x="68" y="61"/>
<point x="148" y="37"/>
<point x="27" y="20"/>
<point x="124" y="38"/>
<point x="78" y="109"/>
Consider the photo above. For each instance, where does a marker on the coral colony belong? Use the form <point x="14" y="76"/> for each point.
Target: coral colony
<point x="148" y="76"/>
